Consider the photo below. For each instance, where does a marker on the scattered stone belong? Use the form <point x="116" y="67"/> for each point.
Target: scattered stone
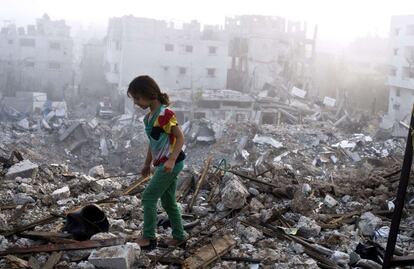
<point x="200" y="211"/>
<point x="341" y="258"/>
<point x="368" y="223"/>
<point x="251" y="235"/>
<point x="23" y="198"/>
<point x="61" y="193"/>
<point x="117" y="224"/>
<point x="253" y="191"/>
<point x="97" y="171"/>
<point x="24" y="168"/>
<point x="308" y="227"/>
<point x="329" y="201"/>
<point x="115" y="257"/>
<point x="234" y="194"/>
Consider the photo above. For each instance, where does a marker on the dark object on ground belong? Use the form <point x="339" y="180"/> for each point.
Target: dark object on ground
<point x="84" y="223"/>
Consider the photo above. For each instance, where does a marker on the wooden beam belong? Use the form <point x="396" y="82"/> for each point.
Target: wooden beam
<point x="199" y="184"/>
<point x="53" y="260"/>
<point x="59" y="247"/>
<point x="209" y="253"/>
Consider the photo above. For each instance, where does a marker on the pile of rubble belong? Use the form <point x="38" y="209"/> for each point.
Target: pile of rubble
<point x="290" y="196"/>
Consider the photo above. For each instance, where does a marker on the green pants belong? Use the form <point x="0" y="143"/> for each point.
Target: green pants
<point x="162" y="185"/>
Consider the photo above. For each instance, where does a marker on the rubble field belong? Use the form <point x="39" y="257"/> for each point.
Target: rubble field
<point x="308" y="195"/>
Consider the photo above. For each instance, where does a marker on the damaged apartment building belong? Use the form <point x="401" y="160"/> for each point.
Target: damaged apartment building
<point x="37" y="58"/>
<point x="177" y="58"/>
<point x="401" y="76"/>
<point x="218" y="70"/>
<point x="269" y="51"/>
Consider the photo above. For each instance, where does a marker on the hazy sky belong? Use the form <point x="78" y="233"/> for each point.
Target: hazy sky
<point x="339" y="21"/>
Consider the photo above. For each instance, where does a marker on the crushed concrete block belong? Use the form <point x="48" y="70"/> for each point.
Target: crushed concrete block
<point x="85" y="265"/>
<point x="71" y="129"/>
<point x="341" y="258"/>
<point x="117" y="224"/>
<point x="115" y="257"/>
<point x="234" y="194"/>
<point x="137" y="249"/>
<point x="24" y="168"/>
<point x="254" y="191"/>
<point x="23" y="198"/>
<point x="200" y="211"/>
<point x="97" y="171"/>
<point x="329" y="201"/>
<point x="61" y="193"/>
<point x="308" y="227"/>
<point x="369" y="223"/>
<point x="306" y="189"/>
<point x="256" y="205"/>
<point x="105" y="185"/>
<point x="251" y="235"/>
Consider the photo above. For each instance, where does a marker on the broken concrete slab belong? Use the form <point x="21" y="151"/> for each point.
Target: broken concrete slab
<point x="61" y="193"/>
<point x="97" y="171"/>
<point x="234" y="194"/>
<point x="329" y="201"/>
<point x="22" y="169"/>
<point x="259" y="139"/>
<point x="114" y="257"/>
<point x="368" y="223"/>
<point x="23" y="198"/>
<point x="308" y="227"/>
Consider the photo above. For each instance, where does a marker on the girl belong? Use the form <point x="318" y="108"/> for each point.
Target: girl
<point x="165" y="152"/>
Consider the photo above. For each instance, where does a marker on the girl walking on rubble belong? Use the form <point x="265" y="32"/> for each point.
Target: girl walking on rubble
<point x="166" y="140"/>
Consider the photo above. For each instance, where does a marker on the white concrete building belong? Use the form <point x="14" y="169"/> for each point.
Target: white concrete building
<point x="266" y="49"/>
<point x="185" y="58"/>
<point x="36" y="58"/>
<point x="401" y="77"/>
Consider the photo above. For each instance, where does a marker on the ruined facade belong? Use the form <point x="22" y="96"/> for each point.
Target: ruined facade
<point x="184" y="58"/>
<point x="266" y="49"/>
<point x="401" y="76"/>
<point x="36" y="58"/>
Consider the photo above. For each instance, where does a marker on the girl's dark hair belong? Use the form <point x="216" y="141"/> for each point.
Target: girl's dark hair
<point x="145" y="86"/>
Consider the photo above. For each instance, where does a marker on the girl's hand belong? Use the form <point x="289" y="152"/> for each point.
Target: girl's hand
<point x="169" y="165"/>
<point x="146" y="170"/>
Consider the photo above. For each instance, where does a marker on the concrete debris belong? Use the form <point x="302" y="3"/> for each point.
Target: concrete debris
<point x="61" y="193"/>
<point x="315" y="169"/>
<point x="24" y="168"/>
<point x="234" y="194"/>
<point x="368" y="223"/>
<point x="308" y="227"/>
<point x="116" y="257"/>
<point x="267" y="140"/>
<point x="330" y="201"/>
<point x="97" y="171"/>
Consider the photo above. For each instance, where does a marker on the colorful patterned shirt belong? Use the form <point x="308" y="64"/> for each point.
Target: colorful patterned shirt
<point x="162" y="141"/>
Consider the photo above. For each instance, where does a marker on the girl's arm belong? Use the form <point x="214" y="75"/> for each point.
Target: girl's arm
<point x="179" y="143"/>
<point x="148" y="159"/>
<point x="146" y="170"/>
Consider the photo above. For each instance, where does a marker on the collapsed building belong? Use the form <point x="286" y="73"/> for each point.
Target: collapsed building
<point x="266" y="49"/>
<point x="37" y="58"/>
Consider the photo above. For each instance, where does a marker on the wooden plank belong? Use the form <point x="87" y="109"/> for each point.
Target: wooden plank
<point x="199" y="184"/>
<point x="69" y="246"/>
<point x="135" y="185"/>
<point x="16" y="262"/>
<point x="207" y="254"/>
<point x="34" y="263"/>
<point x="19" y="229"/>
<point x="53" y="260"/>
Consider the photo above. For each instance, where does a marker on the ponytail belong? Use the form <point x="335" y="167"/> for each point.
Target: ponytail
<point x="164" y="98"/>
